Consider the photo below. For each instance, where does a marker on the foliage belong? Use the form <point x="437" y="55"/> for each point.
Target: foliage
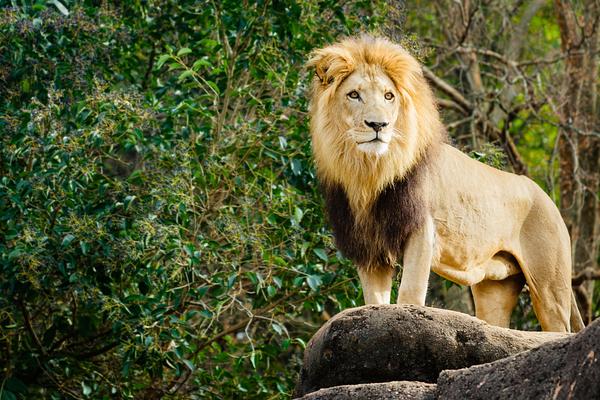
<point x="162" y="234"/>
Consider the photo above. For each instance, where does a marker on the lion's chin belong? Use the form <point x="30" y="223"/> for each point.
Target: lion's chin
<point x="377" y="147"/>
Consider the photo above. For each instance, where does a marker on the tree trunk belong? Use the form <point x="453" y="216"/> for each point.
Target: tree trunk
<point x="579" y="143"/>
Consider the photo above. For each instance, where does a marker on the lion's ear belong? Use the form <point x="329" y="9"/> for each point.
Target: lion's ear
<point x="329" y="64"/>
<point x="321" y="73"/>
<point x="319" y="61"/>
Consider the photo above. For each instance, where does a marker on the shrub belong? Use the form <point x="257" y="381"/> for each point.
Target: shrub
<point x="162" y="234"/>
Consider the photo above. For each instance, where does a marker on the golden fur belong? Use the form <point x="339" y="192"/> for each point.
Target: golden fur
<point x="365" y="175"/>
<point x="393" y="187"/>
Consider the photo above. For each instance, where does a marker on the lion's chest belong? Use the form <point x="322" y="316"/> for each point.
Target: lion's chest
<point x="378" y="239"/>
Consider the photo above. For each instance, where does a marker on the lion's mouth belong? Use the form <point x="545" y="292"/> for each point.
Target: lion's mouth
<point x="375" y="140"/>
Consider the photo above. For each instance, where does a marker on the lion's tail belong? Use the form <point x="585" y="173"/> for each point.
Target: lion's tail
<point x="576" y="320"/>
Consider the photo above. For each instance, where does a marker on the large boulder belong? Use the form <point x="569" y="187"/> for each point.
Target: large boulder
<point x="379" y="391"/>
<point x="387" y="343"/>
<point x="565" y="369"/>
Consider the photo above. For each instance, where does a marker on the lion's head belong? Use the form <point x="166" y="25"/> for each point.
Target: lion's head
<point x="373" y="115"/>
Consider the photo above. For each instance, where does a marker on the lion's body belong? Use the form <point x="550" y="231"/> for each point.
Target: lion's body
<point x="491" y="225"/>
<point x="394" y="189"/>
<point x="480" y="211"/>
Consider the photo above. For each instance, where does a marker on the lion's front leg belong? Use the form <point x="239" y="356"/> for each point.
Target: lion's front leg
<point x="418" y="255"/>
<point x="376" y="284"/>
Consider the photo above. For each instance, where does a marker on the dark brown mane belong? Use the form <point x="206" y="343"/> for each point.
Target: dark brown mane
<point x="378" y="240"/>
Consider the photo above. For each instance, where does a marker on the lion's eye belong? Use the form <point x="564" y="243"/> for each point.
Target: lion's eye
<point x="389" y="96"/>
<point x="354" y="95"/>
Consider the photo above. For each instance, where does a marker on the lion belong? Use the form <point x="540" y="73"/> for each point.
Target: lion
<point x="393" y="187"/>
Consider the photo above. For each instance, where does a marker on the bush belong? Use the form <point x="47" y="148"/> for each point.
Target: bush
<point x="162" y="234"/>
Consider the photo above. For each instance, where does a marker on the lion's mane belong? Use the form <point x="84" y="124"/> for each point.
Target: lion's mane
<point x="373" y="201"/>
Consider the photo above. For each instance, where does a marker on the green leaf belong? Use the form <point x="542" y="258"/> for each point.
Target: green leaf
<point x="202" y="291"/>
<point x="296" y="166"/>
<point x="148" y="340"/>
<point x="184" y="51"/>
<point x="125" y="368"/>
<point x="136" y="177"/>
<point x="86" y="389"/>
<point x="162" y="60"/>
<point x="15" y="253"/>
<point x="214" y="87"/>
<point x="448" y="284"/>
<point x="128" y="201"/>
<point x="15" y="385"/>
<point x="321" y="253"/>
<point x="60" y="7"/>
<point x="189" y="364"/>
<point x="278" y="328"/>
<point x="278" y="261"/>
<point x="209" y="44"/>
<point x="314" y="281"/>
<point x="272" y="219"/>
<point x="7" y="395"/>
<point x="282" y="142"/>
<point x="175" y="65"/>
<point x="85" y="248"/>
<point x="298" y="214"/>
<point x="231" y="280"/>
<point x="185" y="74"/>
<point x="201" y="63"/>
<point x="303" y="248"/>
<point x="67" y="240"/>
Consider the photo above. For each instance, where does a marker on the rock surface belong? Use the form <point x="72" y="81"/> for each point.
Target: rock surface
<point x="565" y="369"/>
<point x="388" y="343"/>
<point x="379" y="391"/>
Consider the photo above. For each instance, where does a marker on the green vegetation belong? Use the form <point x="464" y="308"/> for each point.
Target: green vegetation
<point x="161" y="231"/>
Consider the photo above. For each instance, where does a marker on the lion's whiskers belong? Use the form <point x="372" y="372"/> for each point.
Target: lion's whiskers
<point x="357" y="134"/>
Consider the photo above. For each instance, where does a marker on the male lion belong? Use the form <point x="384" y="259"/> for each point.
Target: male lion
<point x="393" y="188"/>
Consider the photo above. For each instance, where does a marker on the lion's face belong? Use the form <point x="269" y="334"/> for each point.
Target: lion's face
<point x="365" y="128"/>
<point x="368" y="105"/>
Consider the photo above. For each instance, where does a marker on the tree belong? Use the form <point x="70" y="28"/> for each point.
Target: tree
<point x="579" y="140"/>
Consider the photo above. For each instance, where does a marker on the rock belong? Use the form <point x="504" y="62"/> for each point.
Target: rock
<point x="565" y="369"/>
<point x="381" y="391"/>
<point x="387" y="343"/>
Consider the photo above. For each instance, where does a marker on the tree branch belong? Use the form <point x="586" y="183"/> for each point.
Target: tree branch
<point x="445" y="87"/>
<point x="585" y="275"/>
<point x="449" y="104"/>
<point x="151" y="60"/>
<point x="29" y="327"/>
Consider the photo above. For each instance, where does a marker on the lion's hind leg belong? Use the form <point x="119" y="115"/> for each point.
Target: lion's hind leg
<point x="495" y="300"/>
<point x="545" y="258"/>
<point x="552" y="305"/>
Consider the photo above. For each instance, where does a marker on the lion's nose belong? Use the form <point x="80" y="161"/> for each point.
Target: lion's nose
<point x="377" y="126"/>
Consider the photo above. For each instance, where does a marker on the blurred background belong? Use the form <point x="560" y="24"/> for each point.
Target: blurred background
<point x="161" y="230"/>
